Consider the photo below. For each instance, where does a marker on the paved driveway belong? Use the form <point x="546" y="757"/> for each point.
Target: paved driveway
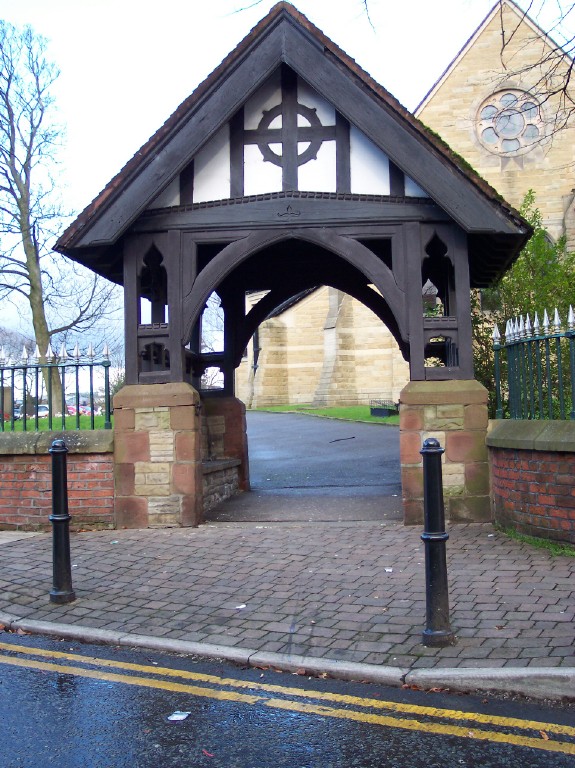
<point x="308" y="468"/>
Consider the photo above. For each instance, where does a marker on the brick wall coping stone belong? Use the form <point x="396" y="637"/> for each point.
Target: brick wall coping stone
<point x="36" y="443"/>
<point x="536" y="435"/>
<point x="216" y="465"/>
<point x="466" y="391"/>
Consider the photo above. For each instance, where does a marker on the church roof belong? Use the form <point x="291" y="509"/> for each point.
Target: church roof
<point x="286" y="36"/>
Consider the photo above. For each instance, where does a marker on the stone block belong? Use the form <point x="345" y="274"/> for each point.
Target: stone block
<point x="131" y="512"/>
<point x="124" y="479"/>
<point x="124" y="419"/>
<point x="412" y="482"/>
<point x="469" y="509"/>
<point x="130" y="447"/>
<point x="412" y="512"/>
<point x="184" y="478"/>
<point x="145" y="467"/>
<point x="465" y="446"/>
<point x="165" y="511"/>
<point x="184" y="417"/>
<point x="443" y="417"/>
<point x="170" y="394"/>
<point x="162" y="445"/>
<point x="465" y="392"/>
<point x="475" y="417"/>
<point x="409" y="447"/>
<point x="192" y="510"/>
<point x="187" y="446"/>
<point x="143" y="489"/>
<point x="158" y="419"/>
<point x="477" y="478"/>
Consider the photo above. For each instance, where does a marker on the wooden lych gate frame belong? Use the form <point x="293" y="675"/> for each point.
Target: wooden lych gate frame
<point x="380" y="249"/>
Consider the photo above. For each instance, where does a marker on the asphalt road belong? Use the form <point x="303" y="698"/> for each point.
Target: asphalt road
<point x="304" y="468"/>
<point x="81" y="706"/>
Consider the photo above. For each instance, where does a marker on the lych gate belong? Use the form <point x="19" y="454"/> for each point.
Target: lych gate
<point x="289" y="168"/>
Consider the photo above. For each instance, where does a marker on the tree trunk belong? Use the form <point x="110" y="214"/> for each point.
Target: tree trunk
<point x="51" y="376"/>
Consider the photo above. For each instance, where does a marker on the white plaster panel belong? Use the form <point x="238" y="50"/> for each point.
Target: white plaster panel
<point x="169" y="197"/>
<point x="260" y="176"/>
<point x="319" y="175"/>
<point x="369" y="165"/>
<point x="212" y="168"/>
<point x="413" y="190"/>
<point x="266" y="97"/>
<point x="309" y="97"/>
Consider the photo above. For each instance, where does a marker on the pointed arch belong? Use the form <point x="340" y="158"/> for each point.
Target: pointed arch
<point x="350" y="250"/>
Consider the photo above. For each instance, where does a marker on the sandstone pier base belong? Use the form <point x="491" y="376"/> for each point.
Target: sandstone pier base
<point x="454" y="412"/>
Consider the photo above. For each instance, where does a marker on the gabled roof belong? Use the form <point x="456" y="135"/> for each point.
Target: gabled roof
<point x="286" y="36"/>
<point x="522" y="17"/>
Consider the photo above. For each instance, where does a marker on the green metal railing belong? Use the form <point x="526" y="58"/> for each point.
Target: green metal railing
<point x="46" y="391"/>
<point x="535" y="368"/>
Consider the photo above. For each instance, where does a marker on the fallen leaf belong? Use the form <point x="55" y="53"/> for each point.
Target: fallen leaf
<point x="544" y="735"/>
<point x="300" y="671"/>
<point x="20" y="631"/>
<point x="205" y="751"/>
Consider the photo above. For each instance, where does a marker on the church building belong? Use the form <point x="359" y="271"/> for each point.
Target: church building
<point x="492" y="106"/>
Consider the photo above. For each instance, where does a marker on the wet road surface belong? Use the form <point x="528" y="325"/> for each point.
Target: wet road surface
<point x="304" y="468"/>
<point x="77" y="706"/>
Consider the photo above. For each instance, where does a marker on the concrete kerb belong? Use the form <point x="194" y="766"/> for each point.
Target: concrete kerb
<point x="538" y="682"/>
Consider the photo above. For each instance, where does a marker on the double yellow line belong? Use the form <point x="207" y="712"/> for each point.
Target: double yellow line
<point x="446" y="722"/>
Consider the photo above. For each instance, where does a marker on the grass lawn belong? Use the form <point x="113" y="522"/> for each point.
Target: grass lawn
<point x="56" y="424"/>
<point x="348" y="412"/>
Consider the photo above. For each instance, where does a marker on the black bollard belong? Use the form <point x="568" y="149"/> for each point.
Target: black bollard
<point x="61" y="591"/>
<point x="437" y="630"/>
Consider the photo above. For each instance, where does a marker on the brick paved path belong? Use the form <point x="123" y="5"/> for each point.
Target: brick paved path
<point x="352" y="591"/>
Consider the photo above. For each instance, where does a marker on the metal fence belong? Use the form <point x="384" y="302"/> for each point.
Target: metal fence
<point x="63" y="391"/>
<point x="535" y="368"/>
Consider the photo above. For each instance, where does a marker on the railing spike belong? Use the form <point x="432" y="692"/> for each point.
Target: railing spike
<point x="496" y="336"/>
<point x="528" y="326"/>
<point x="36" y="355"/>
<point x="49" y="353"/>
<point x="24" y="354"/>
<point x="536" y="325"/>
<point x="106" y="351"/>
<point x="571" y="318"/>
<point x="2" y="355"/>
<point x="63" y="355"/>
<point x="556" y="321"/>
<point x="521" y="328"/>
<point x="90" y="351"/>
<point x="11" y="361"/>
<point x="545" y="321"/>
<point x="76" y="353"/>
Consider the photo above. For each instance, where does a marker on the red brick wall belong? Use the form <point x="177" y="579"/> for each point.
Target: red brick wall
<point x="26" y="491"/>
<point x="534" y="491"/>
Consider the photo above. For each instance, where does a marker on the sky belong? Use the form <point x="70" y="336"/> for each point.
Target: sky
<point x="127" y="64"/>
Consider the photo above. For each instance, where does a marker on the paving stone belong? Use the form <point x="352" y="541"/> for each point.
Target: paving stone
<point x="186" y="584"/>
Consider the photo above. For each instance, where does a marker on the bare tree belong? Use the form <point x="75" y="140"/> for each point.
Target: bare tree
<point x="60" y="294"/>
<point x="550" y="71"/>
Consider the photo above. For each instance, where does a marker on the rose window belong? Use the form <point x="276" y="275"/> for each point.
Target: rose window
<point x="509" y="122"/>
